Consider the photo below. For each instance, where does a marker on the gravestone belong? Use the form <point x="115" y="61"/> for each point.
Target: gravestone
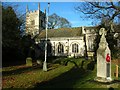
<point x="29" y="61"/>
<point x="103" y="59"/>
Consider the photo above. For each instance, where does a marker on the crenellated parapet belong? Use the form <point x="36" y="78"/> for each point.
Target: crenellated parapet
<point x="35" y="11"/>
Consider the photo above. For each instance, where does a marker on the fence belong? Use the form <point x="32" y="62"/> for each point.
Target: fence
<point x="116" y="68"/>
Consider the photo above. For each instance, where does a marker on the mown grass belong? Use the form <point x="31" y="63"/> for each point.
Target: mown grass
<point x="27" y="77"/>
<point x="57" y="76"/>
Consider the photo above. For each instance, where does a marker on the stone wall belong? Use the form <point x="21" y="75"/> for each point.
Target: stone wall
<point x="67" y="43"/>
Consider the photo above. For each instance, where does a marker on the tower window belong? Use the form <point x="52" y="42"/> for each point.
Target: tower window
<point x="33" y="22"/>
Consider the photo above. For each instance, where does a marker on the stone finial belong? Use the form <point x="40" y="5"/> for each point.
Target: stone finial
<point x="26" y="8"/>
<point x="116" y="35"/>
<point x="38" y="6"/>
<point x="83" y="30"/>
<point x="45" y="11"/>
<point x="102" y="31"/>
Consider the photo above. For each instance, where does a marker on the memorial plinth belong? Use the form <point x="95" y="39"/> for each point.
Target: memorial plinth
<point x="103" y="59"/>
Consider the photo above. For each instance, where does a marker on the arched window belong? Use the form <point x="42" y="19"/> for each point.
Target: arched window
<point x="60" y="48"/>
<point x="75" y="48"/>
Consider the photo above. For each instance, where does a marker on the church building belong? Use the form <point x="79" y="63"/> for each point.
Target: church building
<point x="68" y="41"/>
<point x="62" y="41"/>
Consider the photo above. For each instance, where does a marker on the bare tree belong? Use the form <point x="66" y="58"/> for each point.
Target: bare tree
<point x="106" y="13"/>
<point x="56" y="21"/>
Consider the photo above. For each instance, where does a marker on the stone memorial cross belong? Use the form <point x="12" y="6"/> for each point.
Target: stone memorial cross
<point x="103" y="59"/>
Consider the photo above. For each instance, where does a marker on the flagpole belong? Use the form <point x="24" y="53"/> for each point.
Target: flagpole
<point x="45" y="61"/>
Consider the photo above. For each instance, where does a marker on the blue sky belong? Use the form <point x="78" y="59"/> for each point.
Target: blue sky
<point x="63" y="9"/>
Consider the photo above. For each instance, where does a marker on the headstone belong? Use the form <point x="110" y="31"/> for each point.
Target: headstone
<point x="29" y="61"/>
<point x="39" y="62"/>
<point x="103" y="59"/>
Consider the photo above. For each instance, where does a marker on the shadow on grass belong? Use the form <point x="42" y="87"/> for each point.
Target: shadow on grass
<point x="111" y="88"/>
<point x="65" y="80"/>
<point x="91" y="65"/>
<point x="20" y="70"/>
<point x="71" y="61"/>
<point x="25" y="69"/>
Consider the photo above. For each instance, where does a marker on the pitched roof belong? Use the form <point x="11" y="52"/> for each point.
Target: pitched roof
<point x="92" y="29"/>
<point x="66" y="32"/>
<point x="61" y="32"/>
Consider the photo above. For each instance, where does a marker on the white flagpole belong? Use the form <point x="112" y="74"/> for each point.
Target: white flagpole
<point x="45" y="63"/>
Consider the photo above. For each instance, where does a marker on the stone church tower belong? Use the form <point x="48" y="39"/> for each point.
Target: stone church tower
<point x="35" y="21"/>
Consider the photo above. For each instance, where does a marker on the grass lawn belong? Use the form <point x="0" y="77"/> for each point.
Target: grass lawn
<point x="57" y="76"/>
